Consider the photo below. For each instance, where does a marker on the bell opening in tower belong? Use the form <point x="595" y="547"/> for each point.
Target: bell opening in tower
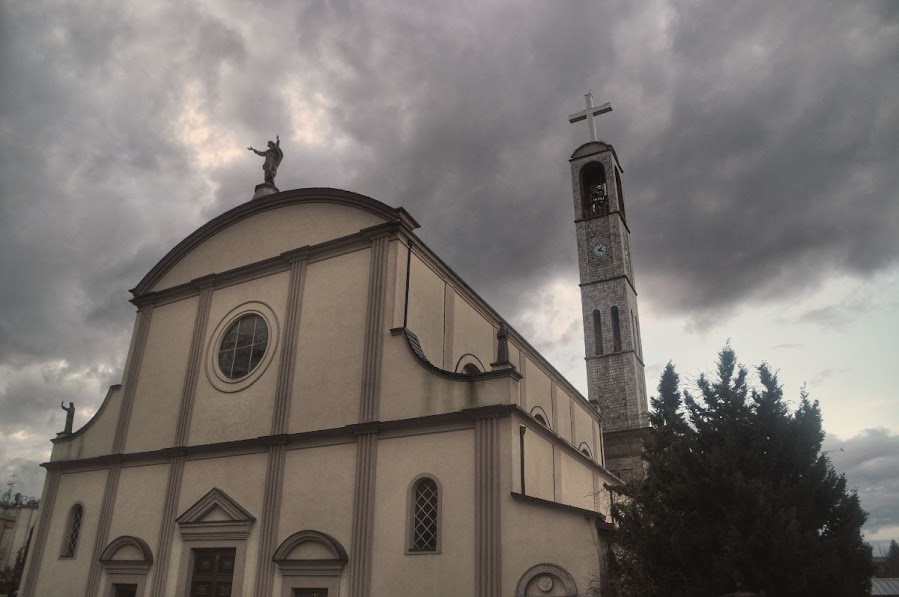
<point x="594" y="191"/>
<point x="620" y="193"/>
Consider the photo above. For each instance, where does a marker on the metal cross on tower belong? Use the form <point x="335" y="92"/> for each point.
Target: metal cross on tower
<point x="590" y="113"/>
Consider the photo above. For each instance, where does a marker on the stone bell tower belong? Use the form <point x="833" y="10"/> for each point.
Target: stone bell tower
<point x="613" y="349"/>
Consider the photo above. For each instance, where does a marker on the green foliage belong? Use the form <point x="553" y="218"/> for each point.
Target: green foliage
<point x="737" y="496"/>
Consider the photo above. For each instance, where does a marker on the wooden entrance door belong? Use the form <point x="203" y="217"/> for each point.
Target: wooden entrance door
<point x="212" y="573"/>
<point x="125" y="590"/>
<point x="310" y="593"/>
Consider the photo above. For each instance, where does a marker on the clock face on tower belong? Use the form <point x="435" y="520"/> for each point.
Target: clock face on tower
<point x="600" y="250"/>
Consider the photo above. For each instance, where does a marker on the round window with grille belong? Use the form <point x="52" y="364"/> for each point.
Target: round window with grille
<point x="242" y="346"/>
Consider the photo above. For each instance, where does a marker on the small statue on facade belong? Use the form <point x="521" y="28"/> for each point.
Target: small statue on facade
<point x="273" y="156"/>
<point x="70" y="417"/>
<point x="502" y="349"/>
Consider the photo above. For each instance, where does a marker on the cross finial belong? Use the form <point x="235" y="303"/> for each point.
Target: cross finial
<point x="590" y="113"/>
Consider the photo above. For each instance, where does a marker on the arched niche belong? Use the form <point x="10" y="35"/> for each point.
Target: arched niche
<point x="127" y="554"/>
<point x="540" y="416"/>
<point x="469" y="364"/>
<point x="310" y="553"/>
<point x="126" y="562"/>
<point x="546" y="580"/>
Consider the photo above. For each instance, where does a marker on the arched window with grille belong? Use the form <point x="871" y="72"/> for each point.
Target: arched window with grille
<point x="424" y="516"/>
<point x="70" y="540"/>
<point x="616" y="330"/>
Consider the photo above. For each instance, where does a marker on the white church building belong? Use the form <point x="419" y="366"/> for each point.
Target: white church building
<point x="315" y="405"/>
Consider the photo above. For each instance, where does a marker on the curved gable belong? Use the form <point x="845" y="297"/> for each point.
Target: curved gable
<point x="593" y="147"/>
<point x="265" y="228"/>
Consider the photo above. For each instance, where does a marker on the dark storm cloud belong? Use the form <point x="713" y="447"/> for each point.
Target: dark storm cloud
<point x="757" y="144"/>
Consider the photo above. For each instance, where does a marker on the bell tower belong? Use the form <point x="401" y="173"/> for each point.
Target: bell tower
<point x="613" y="349"/>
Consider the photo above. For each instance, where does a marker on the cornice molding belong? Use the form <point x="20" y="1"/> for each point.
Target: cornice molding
<point x="529" y="499"/>
<point x="452" y="375"/>
<point x="345" y="434"/>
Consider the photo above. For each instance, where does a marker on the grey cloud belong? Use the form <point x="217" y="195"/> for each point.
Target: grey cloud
<point x="757" y="145"/>
<point x="870" y="462"/>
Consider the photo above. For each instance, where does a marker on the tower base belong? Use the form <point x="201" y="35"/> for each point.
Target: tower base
<point x="623" y="450"/>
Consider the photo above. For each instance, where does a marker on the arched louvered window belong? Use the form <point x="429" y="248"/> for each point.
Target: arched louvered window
<point x="597" y="331"/>
<point x="616" y="330"/>
<point x="424" y="535"/>
<point x="70" y="546"/>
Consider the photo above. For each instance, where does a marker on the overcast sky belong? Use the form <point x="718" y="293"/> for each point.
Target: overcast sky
<point x="759" y="146"/>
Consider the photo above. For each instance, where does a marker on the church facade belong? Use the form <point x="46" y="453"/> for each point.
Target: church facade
<point x="315" y="405"/>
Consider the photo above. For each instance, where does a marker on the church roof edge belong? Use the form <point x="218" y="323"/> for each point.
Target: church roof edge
<point x="592" y="148"/>
<point x="222" y="221"/>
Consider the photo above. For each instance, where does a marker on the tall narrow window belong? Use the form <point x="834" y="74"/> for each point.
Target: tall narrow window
<point x="639" y="338"/>
<point x="597" y="331"/>
<point x="616" y="330"/>
<point x="425" y="516"/>
<point x="594" y="190"/>
<point x="634" y="330"/>
<point x="76" y="516"/>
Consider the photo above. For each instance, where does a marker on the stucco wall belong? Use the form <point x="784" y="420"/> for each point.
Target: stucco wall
<point x="472" y="333"/>
<point x="539" y="390"/>
<point x="410" y="389"/>
<point x="400" y="460"/>
<point x="268" y="234"/>
<point x="219" y="416"/>
<point x="328" y="370"/>
<point x="68" y="576"/>
<point x="157" y="400"/>
<point x="426" y="309"/>
<point x="319" y="484"/>
<point x="535" y="534"/>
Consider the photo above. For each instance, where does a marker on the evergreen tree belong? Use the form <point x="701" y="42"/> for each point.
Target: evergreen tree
<point x="738" y="496"/>
<point x="891" y="565"/>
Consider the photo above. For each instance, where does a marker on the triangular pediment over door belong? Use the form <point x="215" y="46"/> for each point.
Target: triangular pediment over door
<point x="216" y="515"/>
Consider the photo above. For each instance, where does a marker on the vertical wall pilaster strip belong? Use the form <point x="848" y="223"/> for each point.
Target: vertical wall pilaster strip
<point x="523" y="384"/>
<point x="449" y="325"/>
<point x="167" y="526"/>
<point x="374" y="327"/>
<point x="367" y="444"/>
<point x="363" y="515"/>
<point x="102" y="536"/>
<point x="194" y="358"/>
<point x="284" y="387"/>
<point x="488" y="571"/>
<point x="130" y="379"/>
<point x="39" y="541"/>
<point x="271" y="510"/>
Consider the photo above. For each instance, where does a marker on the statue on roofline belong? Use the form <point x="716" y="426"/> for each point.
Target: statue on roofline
<point x="70" y="417"/>
<point x="273" y="156"/>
